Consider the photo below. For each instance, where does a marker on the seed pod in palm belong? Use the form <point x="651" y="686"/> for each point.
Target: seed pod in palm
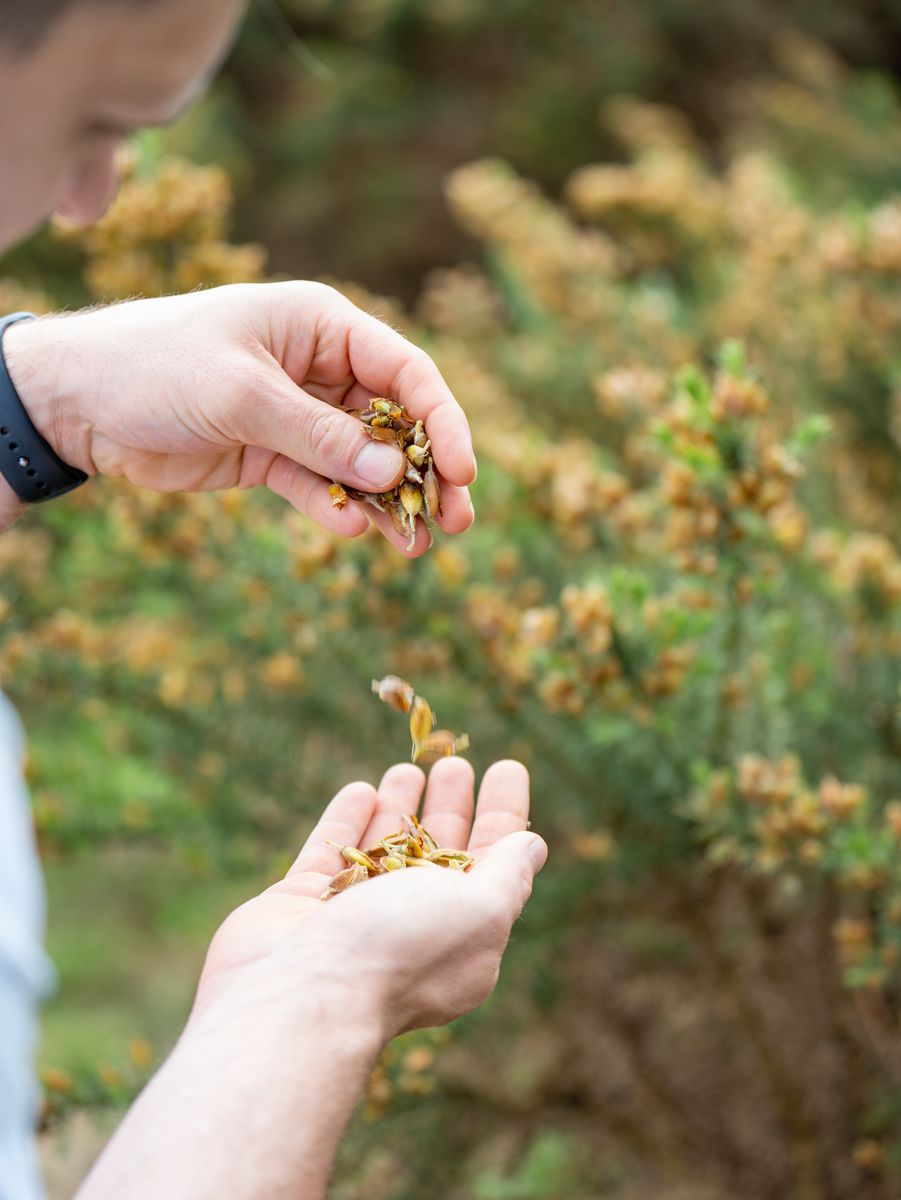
<point x="345" y="879"/>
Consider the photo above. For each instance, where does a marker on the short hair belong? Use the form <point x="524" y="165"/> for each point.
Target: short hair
<point x="24" y="23"/>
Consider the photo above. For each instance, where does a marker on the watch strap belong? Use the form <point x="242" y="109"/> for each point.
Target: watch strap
<point x="28" y="463"/>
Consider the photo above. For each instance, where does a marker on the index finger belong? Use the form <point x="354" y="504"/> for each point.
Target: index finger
<point x="344" y="822"/>
<point x="385" y="362"/>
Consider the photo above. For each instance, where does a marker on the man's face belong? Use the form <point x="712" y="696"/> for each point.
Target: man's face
<point x="103" y="72"/>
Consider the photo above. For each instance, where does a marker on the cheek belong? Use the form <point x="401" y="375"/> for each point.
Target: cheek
<point x="26" y="204"/>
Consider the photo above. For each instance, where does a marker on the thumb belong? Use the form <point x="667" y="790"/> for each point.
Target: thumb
<point x="508" y="868"/>
<point x="283" y="417"/>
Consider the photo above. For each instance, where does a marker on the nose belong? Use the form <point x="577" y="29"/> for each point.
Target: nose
<point x="93" y="187"/>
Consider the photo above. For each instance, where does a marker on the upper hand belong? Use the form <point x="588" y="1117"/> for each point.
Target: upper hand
<point x="240" y="387"/>
<point x="409" y="948"/>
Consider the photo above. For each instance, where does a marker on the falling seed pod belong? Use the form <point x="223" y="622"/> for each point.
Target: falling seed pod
<point x="440" y="744"/>
<point x="422" y="719"/>
<point x="428" y="746"/>
<point x="395" y="692"/>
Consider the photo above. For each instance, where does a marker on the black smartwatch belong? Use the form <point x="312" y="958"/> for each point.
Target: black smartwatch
<point x="30" y="466"/>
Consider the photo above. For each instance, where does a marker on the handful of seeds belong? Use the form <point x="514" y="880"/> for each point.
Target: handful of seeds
<point x="418" y="493"/>
<point x="429" y="744"/>
<point x="412" y="846"/>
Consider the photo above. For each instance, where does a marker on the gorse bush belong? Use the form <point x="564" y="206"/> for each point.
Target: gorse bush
<point x="681" y="605"/>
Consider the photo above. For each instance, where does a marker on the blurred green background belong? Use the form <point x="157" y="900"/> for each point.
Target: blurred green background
<point x="665" y="1026"/>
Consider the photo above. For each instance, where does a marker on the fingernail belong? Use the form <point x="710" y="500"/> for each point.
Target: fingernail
<point x="378" y="465"/>
<point x="538" y="851"/>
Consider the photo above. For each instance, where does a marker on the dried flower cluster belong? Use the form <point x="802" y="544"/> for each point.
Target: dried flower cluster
<point x="765" y="815"/>
<point x="430" y="745"/>
<point x="412" y="846"/>
<point x="418" y="495"/>
<point x="167" y="231"/>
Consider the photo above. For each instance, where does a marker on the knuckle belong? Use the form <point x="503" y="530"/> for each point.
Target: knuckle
<point x="322" y="295"/>
<point x="324" y="435"/>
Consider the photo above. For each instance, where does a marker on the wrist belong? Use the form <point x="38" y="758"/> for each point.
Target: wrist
<point x="288" y="1002"/>
<point x="11" y="507"/>
<point x="36" y="355"/>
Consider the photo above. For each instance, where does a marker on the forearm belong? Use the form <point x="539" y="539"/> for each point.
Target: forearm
<point x="247" y="1107"/>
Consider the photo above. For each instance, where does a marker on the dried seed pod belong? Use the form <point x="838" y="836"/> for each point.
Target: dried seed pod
<point x="387" y="421"/>
<point x="387" y="434"/>
<point x="356" y="857"/>
<point x="413" y="846"/>
<point x="431" y="493"/>
<point x="388" y="408"/>
<point x="397" y="693"/>
<point x="376" y="501"/>
<point x="345" y="879"/>
<point x="422" y="719"/>
<point x="418" y="831"/>
<point x="411" y="498"/>
<point x="338" y="495"/>
<point x="457" y="860"/>
<point x="440" y="744"/>
<point x="399" y="517"/>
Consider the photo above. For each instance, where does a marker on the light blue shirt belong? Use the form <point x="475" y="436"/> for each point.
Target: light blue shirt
<point x="25" y="973"/>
